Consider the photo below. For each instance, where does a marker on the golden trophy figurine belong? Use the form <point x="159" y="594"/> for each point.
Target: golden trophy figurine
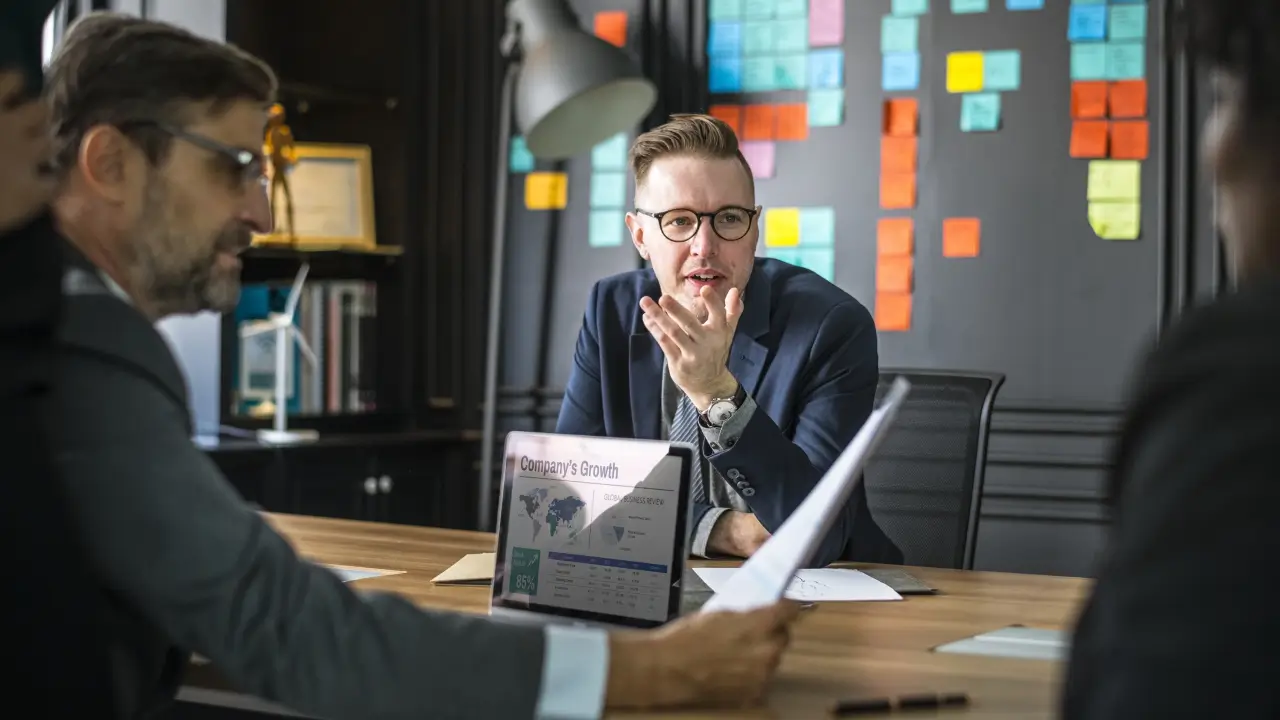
<point x="282" y="155"/>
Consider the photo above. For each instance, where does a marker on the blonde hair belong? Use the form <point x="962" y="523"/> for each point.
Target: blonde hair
<point x="701" y="136"/>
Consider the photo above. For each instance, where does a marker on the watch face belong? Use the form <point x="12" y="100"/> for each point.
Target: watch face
<point x="719" y="412"/>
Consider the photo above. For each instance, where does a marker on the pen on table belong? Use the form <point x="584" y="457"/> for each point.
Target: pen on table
<point x="903" y="702"/>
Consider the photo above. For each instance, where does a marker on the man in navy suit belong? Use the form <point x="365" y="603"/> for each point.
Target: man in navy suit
<point x="766" y="366"/>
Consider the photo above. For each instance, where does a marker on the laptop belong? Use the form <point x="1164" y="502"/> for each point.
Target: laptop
<point x="591" y="530"/>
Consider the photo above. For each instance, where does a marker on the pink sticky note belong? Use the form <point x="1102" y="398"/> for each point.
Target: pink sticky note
<point x="760" y="156"/>
<point x="826" y="22"/>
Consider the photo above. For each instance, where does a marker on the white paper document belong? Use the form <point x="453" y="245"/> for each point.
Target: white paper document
<point x="765" y="576"/>
<point x="816" y="585"/>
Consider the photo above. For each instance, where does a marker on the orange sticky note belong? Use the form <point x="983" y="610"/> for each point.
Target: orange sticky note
<point x="895" y="236"/>
<point x="1129" y="139"/>
<point x="612" y="27"/>
<point x="897" y="154"/>
<point x="893" y="311"/>
<point x="1089" y="99"/>
<point x="901" y="117"/>
<point x="894" y="274"/>
<point x="897" y="191"/>
<point x="1089" y="138"/>
<point x="960" y="237"/>
<point x="793" y="121"/>
<point x="730" y="114"/>
<point x="760" y="123"/>
<point x="1129" y="99"/>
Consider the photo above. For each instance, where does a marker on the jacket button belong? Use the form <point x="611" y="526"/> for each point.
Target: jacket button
<point x="734" y="474"/>
<point x="743" y="484"/>
<point x="748" y="492"/>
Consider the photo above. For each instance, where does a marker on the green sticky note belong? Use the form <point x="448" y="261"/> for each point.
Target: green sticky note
<point x="724" y="9"/>
<point x="791" y="72"/>
<point x="608" y="189"/>
<point x="899" y="34"/>
<point x="817" y="227"/>
<point x="758" y="74"/>
<point x="903" y="8"/>
<point x="606" y="228"/>
<point x="1127" y="22"/>
<point x="820" y="260"/>
<point x="1001" y="70"/>
<point x="1126" y="60"/>
<point x="610" y="154"/>
<point x="791" y="35"/>
<point x="1089" y="61"/>
<point x="1116" y="220"/>
<point x="826" y="107"/>
<point x="758" y="37"/>
<point x="759" y="9"/>
<point x="980" y="112"/>
<point x="521" y="160"/>
<point x="1114" y="180"/>
<point x="791" y="8"/>
<point x="960" y="7"/>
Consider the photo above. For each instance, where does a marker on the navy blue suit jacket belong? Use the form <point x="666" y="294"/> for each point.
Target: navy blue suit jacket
<point x="804" y="350"/>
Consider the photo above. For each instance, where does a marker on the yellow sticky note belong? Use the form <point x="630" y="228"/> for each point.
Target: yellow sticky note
<point x="1115" y="220"/>
<point x="964" y="72"/>
<point x="1114" y="180"/>
<point x="782" y="227"/>
<point x="546" y="190"/>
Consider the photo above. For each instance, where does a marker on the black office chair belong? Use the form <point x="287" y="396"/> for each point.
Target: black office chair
<point x="924" y="482"/>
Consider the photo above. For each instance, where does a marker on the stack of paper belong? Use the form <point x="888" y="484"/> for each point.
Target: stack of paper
<point x="818" y="585"/>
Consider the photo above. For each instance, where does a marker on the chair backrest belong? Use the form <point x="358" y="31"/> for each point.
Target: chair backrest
<point x="924" y="484"/>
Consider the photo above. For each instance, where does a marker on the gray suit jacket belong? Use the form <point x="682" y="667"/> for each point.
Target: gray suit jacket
<point x="191" y="566"/>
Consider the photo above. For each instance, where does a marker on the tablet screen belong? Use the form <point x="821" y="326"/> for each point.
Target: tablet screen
<point x="592" y="527"/>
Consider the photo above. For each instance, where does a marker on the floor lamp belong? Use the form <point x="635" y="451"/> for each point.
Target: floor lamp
<point x="568" y="90"/>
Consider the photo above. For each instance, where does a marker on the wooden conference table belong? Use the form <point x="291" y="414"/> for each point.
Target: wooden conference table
<point x="839" y="650"/>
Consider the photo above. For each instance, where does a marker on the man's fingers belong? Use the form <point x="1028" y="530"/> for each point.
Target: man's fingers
<point x="661" y="322"/>
<point x="732" y="307"/>
<point x="681" y="315"/>
<point x="715" y="309"/>
<point x="669" y="347"/>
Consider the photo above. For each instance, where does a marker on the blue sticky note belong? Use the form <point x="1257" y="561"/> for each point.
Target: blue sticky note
<point x="724" y="75"/>
<point x="980" y="112"/>
<point x="759" y="75"/>
<point x="611" y="154"/>
<point x="826" y="107"/>
<point x="522" y="161"/>
<point x="608" y="190"/>
<point x="1126" y="60"/>
<point x="826" y="68"/>
<point x="901" y="71"/>
<point x="757" y="37"/>
<point x="820" y="260"/>
<point x="791" y="71"/>
<point x="899" y="34"/>
<point x="791" y="35"/>
<point x="724" y="39"/>
<point x="1089" y="61"/>
<point x="1001" y="70"/>
<point x="606" y="228"/>
<point x="1024" y="4"/>
<point x="791" y="9"/>
<point x="817" y="227"/>
<point x="906" y="8"/>
<point x="1087" y="22"/>
<point x="960" y="7"/>
<point x="724" y="10"/>
<point x="1128" y="22"/>
<point x="759" y="9"/>
<point x="1090" y="2"/>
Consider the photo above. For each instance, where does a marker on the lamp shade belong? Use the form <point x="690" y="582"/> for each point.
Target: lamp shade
<point x="574" y="89"/>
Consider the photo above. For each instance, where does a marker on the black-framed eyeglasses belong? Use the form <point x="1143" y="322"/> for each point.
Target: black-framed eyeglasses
<point x="246" y="166"/>
<point x="681" y="224"/>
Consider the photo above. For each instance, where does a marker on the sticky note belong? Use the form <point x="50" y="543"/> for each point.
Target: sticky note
<point x="790" y="8"/>
<point x="782" y="227"/>
<point x="611" y="154"/>
<point x="980" y="112"/>
<point x="791" y="35"/>
<point x="757" y="37"/>
<point x="724" y="75"/>
<point x="724" y="10"/>
<point x="760" y="156"/>
<point x="899" y="34"/>
<point x="758" y="9"/>
<point x="1087" y="22"/>
<point x="1114" y="180"/>
<point x="521" y="160"/>
<point x="1089" y="138"/>
<point x="964" y="72"/>
<point x="900" y="71"/>
<point x="821" y="261"/>
<point x="1089" y="99"/>
<point x="1024" y="4"/>
<point x="960" y="7"/>
<point x="608" y="190"/>
<point x="894" y="273"/>
<point x="1128" y="99"/>
<point x="730" y="114"/>
<point x="893" y="312"/>
<point x="898" y="191"/>
<point x="1116" y="220"/>
<point x="611" y="26"/>
<point x="826" y="68"/>
<point x="826" y="107"/>
<point x="791" y="71"/>
<point x="1130" y="139"/>
<point x="826" y="22"/>
<point x="606" y="228"/>
<point x="901" y="117"/>
<point x="724" y="38"/>
<point x="817" y="227"/>
<point x="760" y="122"/>
<point x="960" y="237"/>
<point x="1126" y="60"/>
<point x="898" y="154"/>
<point x="1001" y="70"/>
<point x="758" y="74"/>
<point x="1127" y="22"/>
<point x="793" y="121"/>
<point x="546" y="191"/>
<point x="905" y="8"/>
<point x="1089" y="61"/>
<point x="895" y="236"/>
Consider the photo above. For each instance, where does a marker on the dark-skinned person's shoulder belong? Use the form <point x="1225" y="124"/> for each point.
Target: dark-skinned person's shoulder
<point x="1182" y="621"/>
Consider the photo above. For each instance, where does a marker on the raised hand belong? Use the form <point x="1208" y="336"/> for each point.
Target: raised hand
<point x="697" y="351"/>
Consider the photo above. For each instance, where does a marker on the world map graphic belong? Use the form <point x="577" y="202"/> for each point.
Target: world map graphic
<point x="557" y="514"/>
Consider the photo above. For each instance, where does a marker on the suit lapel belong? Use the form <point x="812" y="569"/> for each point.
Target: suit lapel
<point x="646" y="373"/>
<point x="748" y="355"/>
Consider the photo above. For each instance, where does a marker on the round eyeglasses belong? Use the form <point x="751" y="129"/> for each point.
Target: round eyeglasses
<point x="680" y="224"/>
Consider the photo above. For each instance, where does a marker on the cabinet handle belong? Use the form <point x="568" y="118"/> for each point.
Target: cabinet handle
<point x="370" y="486"/>
<point x="384" y="483"/>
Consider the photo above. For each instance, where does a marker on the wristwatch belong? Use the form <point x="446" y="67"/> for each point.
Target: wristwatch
<point x="721" y="409"/>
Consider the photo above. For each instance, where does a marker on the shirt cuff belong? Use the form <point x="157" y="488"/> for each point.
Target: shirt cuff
<point x="725" y="437"/>
<point x="575" y="670"/>
<point x="703" y="533"/>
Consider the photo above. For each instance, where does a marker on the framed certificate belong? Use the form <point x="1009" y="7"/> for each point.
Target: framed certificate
<point x="332" y="191"/>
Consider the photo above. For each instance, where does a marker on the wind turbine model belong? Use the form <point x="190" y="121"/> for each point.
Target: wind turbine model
<point x="285" y="330"/>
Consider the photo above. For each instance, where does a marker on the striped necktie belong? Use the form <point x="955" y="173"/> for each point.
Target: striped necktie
<point x="686" y="428"/>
